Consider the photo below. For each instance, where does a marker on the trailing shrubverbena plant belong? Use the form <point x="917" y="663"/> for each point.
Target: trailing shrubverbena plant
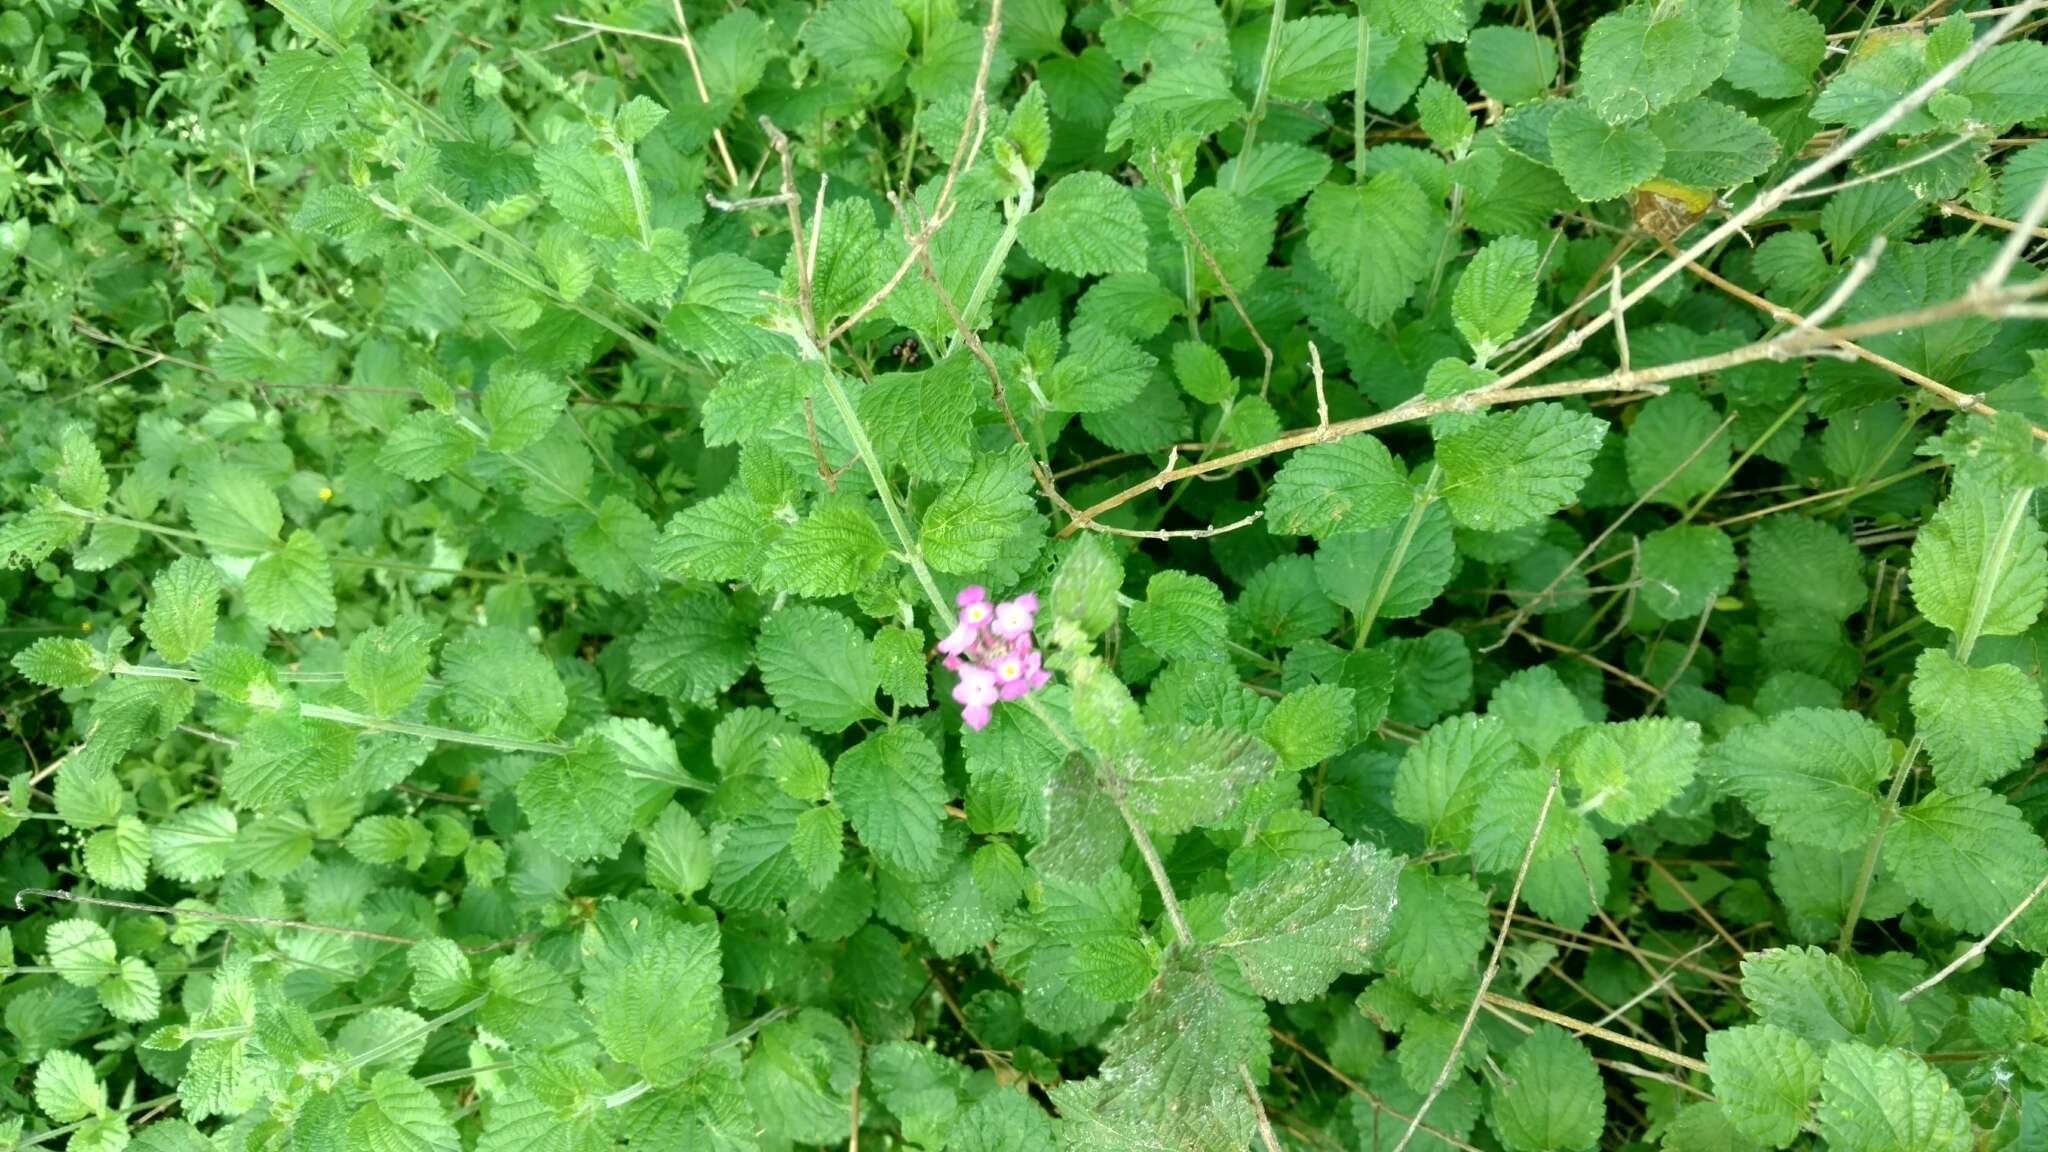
<point x="1023" y="574"/>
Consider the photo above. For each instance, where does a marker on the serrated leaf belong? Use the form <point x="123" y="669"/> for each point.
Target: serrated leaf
<point x="1088" y="225"/>
<point x="894" y="794"/>
<point x="1495" y="293"/>
<point x="1345" y="486"/>
<point x="818" y="667"/>
<point x="1629" y="771"/>
<point x="386" y="666"/>
<point x="58" y="663"/>
<point x="1708" y="144"/>
<point x="1884" y="1100"/>
<point x="520" y="406"/>
<point x="1374" y="241"/>
<point x="1809" y="774"/>
<point x="1514" y="468"/>
<point x="1598" y="159"/>
<point x="1981" y="564"/>
<point x="1765" y="1079"/>
<point x="971" y="524"/>
<point x="1969" y="856"/>
<point x="1438" y="927"/>
<point x="183" y="605"/>
<point x="1182" y="617"/>
<point x="1553" y="1098"/>
<point x="579" y="803"/>
<point x="301" y="93"/>
<point x="1978" y="723"/>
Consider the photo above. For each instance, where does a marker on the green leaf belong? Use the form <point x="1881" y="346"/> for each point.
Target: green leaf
<point x="1182" y="617"/>
<point x="1779" y="51"/>
<point x="81" y="951"/>
<point x="678" y="852"/>
<point x="1629" y="771"/>
<point x="900" y="666"/>
<point x="1181" y="1046"/>
<point x="1511" y="64"/>
<point x="830" y="552"/>
<point x="1707" y="144"/>
<point x="616" y="548"/>
<point x="587" y="186"/>
<point x="660" y="1007"/>
<point x="1969" y="856"/>
<point x="1765" y="1079"/>
<point x="1600" y="159"/>
<point x="1668" y="430"/>
<point x="1088" y="225"/>
<point x="1639" y="60"/>
<point x="441" y="974"/>
<point x="722" y="538"/>
<point x="497" y="682"/>
<point x="1809" y="774"/>
<point x="1685" y="567"/>
<point x="1429" y="21"/>
<point x="652" y="274"/>
<point x="818" y="667"/>
<point x="194" y="844"/>
<point x="1375" y="241"/>
<point x="426" y="447"/>
<point x="1510" y="469"/>
<point x="401" y="1116"/>
<point x="862" y="41"/>
<point x="118" y="857"/>
<point x="301" y="93"/>
<point x="521" y="406"/>
<point x="1495" y="293"/>
<point x="1978" y="723"/>
<point x="975" y="521"/>
<point x="1186" y="776"/>
<point x="1552" y="1096"/>
<point x="696" y="644"/>
<point x="1310" y="921"/>
<point x="1312" y="724"/>
<point x="1885" y="1100"/>
<point x="1808" y="992"/>
<point x="386" y="666"/>
<point x="57" y="663"/>
<point x="235" y="512"/>
<point x="1800" y="568"/>
<point x="1439" y="926"/>
<point x="1101" y="372"/>
<point x="1440" y="779"/>
<point x="292" y="589"/>
<point x="183" y="605"/>
<point x="1444" y="117"/>
<point x="1979" y="532"/>
<point x="67" y="1090"/>
<point x="894" y="793"/>
<point x="579" y="803"/>
<point x="1343" y="486"/>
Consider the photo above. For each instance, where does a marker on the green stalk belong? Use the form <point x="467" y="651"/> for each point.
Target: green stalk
<point x="865" y="448"/>
<point x="1423" y="500"/>
<point x="984" y="283"/>
<point x="2016" y="511"/>
<point x="1358" y="78"/>
<point x="379" y="1051"/>
<point x="1258" y="112"/>
<point x="1798" y="405"/>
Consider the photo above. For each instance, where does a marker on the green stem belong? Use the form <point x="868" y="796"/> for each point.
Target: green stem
<point x="1423" y="500"/>
<point x="403" y="1038"/>
<point x="1258" y="112"/>
<point x="993" y="267"/>
<point x="873" y="461"/>
<point x="1797" y="406"/>
<point x="2016" y="511"/>
<point x="1358" y="77"/>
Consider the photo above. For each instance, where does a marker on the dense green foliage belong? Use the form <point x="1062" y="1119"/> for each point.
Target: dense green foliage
<point x="1513" y="577"/>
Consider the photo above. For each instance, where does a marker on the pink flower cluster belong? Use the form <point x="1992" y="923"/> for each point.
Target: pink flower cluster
<point x="992" y="650"/>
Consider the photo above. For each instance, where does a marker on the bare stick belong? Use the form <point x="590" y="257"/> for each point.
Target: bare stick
<point x="1994" y="277"/>
<point x="1500" y="943"/>
<point x="1977" y="949"/>
<point x="1617" y="309"/>
<point x="1951" y="208"/>
<point x="1581" y="1028"/>
<point x="732" y="174"/>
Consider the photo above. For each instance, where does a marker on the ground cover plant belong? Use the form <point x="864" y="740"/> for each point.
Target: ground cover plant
<point x="1023" y="574"/>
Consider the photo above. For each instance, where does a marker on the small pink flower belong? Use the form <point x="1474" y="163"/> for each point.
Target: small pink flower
<point x="975" y="692"/>
<point x="1014" y="618"/>
<point x="992" y="651"/>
